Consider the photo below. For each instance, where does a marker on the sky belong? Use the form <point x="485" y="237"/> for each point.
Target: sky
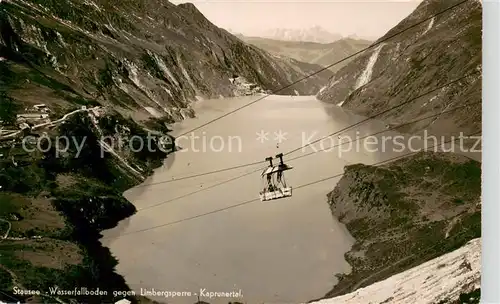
<point x="365" y="18"/>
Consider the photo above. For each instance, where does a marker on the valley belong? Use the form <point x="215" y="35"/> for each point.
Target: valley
<point x="323" y="54"/>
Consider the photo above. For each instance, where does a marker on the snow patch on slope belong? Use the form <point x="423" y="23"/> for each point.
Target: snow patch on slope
<point x="91" y="3"/>
<point x="431" y="23"/>
<point x="441" y="279"/>
<point x="366" y="76"/>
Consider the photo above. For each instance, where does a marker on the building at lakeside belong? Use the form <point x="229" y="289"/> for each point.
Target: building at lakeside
<point x="31" y="116"/>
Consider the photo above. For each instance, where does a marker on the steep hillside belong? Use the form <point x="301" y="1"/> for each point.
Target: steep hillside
<point x="58" y="195"/>
<point x="453" y="278"/>
<point x="338" y="50"/>
<point x="428" y="56"/>
<point x="313" y="34"/>
<point x="146" y="58"/>
<point x="405" y="213"/>
<point x="315" y="53"/>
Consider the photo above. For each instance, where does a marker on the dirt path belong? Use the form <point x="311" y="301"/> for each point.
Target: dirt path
<point x="62" y="119"/>
<point x="6" y="235"/>
<point x="109" y="149"/>
<point x="15" y="281"/>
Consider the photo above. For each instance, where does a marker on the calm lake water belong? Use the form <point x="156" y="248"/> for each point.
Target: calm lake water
<point x="283" y="251"/>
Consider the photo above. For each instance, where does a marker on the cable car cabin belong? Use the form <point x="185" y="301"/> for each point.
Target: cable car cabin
<point x="275" y="186"/>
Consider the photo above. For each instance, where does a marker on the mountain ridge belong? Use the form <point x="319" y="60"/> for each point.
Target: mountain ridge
<point x="312" y="34"/>
<point x="323" y="54"/>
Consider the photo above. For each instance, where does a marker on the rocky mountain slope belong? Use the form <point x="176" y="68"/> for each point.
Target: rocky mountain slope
<point x="425" y="57"/>
<point x="323" y="54"/>
<point x="405" y="213"/>
<point x="419" y="208"/>
<point x="452" y="278"/>
<point x="146" y="58"/>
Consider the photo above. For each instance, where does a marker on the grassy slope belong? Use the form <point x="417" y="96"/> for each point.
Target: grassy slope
<point x="405" y="213"/>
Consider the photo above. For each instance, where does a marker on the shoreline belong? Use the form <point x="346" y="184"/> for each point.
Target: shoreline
<point x="371" y="257"/>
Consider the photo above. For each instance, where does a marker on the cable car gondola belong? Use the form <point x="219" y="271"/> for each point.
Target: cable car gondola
<point x="275" y="186"/>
